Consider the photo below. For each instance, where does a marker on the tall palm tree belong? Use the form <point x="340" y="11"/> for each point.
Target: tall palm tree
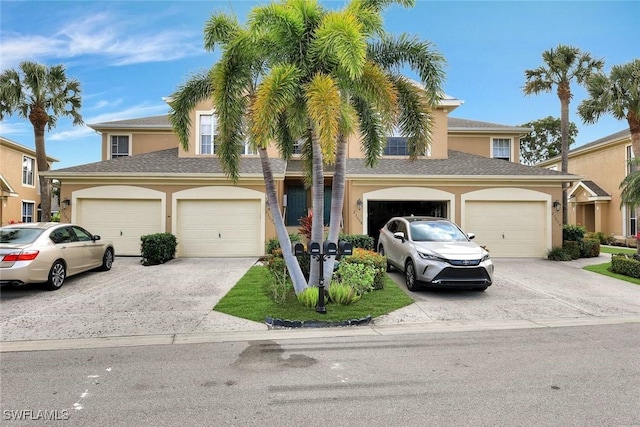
<point x="298" y="71"/>
<point x="40" y="94"/>
<point x="619" y="95"/>
<point x="561" y="66"/>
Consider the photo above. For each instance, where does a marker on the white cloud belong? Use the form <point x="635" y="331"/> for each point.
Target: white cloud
<point x="102" y="35"/>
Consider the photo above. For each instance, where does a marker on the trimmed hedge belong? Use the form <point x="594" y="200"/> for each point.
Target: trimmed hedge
<point x="370" y="258"/>
<point x="158" y="248"/>
<point x="358" y="240"/>
<point x="572" y="248"/>
<point x="589" y="248"/>
<point x="621" y="264"/>
<point x="573" y="232"/>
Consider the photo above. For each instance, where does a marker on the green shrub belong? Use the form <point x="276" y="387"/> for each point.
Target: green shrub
<point x="572" y="247"/>
<point x="370" y="258"/>
<point x="280" y="284"/>
<point x="589" y="248"/>
<point x="604" y="239"/>
<point x="358" y="240"/>
<point x="358" y="277"/>
<point x="309" y="297"/>
<point x="342" y="294"/>
<point x="622" y="264"/>
<point x="558" y="253"/>
<point x="158" y="248"/>
<point x="574" y="233"/>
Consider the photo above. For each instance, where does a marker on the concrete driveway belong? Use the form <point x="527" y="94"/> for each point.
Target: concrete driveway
<point x="176" y="298"/>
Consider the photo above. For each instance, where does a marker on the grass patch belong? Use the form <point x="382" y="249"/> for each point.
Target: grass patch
<point x="249" y="299"/>
<point x="604" y="270"/>
<point x="616" y="250"/>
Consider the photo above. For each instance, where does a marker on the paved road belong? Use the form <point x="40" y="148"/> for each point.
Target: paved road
<point x="171" y="303"/>
<point x="578" y="376"/>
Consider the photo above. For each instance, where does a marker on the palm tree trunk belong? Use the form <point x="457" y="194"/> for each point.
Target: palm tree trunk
<point x="295" y="272"/>
<point x="634" y="127"/>
<point x="317" y="185"/>
<point x="564" y="94"/>
<point x="38" y="118"/>
<point x="337" y="201"/>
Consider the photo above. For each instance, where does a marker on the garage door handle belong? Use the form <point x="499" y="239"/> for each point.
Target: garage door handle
<point x="503" y="235"/>
<point x="121" y="232"/>
<point x="219" y="236"/>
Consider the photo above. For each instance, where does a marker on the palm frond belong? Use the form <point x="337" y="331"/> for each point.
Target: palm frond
<point x="219" y="29"/>
<point x="323" y="107"/>
<point x="197" y="88"/>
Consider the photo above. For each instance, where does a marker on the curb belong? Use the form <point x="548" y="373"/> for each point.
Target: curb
<point x="283" y="323"/>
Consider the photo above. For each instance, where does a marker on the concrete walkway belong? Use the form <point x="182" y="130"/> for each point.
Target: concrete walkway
<point x="171" y="304"/>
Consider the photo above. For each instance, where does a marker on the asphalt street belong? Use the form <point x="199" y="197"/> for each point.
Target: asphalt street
<point x="564" y="376"/>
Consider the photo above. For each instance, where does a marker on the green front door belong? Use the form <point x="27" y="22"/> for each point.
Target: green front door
<point x="296" y="205"/>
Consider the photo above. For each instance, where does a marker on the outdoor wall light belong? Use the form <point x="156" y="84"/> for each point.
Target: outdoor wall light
<point x="66" y="203"/>
<point x="556" y="206"/>
<point x="359" y="204"/>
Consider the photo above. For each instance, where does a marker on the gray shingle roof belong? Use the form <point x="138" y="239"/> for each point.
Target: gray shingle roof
<point x="167" y="162"/>
<point x="595" y="188"/>
<point x="154" y="122"/>
<point x="609" y="138"/>
<point x="456" y="124"/>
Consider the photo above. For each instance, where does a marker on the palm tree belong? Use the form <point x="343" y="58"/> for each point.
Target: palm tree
<point x="40" y="94"/>
<point x="619" y="95"/>
<point x="298" y="71"/>
<point x="562" y="65"/>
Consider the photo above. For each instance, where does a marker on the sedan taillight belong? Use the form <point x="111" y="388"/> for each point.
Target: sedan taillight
<point x="21" y="256"/>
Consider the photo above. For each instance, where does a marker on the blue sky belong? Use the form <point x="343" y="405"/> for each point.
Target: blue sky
<point x="129" y="54"/>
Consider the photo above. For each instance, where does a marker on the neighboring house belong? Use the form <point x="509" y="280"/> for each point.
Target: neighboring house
<point x="146" y="184"/>
<point x="19" y="183"/>
<point x="594" y="201"/>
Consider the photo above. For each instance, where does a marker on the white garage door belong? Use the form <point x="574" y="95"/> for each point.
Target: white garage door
<point x="508" y="228"/>
<point x="218" y="228"/>
<point x="122" y="221"/>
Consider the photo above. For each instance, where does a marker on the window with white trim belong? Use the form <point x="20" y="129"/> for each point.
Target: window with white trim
<point x="120" y="146"/>
<point x="28" y="208"/>
<point x="28" y="171"/>
<point x="248" y="150"/>
<point x="397" y="145"/>
<point x="501" y="148"/>
<point x="630" y="166"/>
<point x="206" y="133"/>
<point x="297" y="146"/>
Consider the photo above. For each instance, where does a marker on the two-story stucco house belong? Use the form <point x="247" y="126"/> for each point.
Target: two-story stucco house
<point x="594" y="201"/>
<point x="19" y="183"/>
<point x="146" y="184"/>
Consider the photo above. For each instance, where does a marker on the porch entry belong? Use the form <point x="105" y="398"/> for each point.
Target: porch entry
<point x="298" y="204"/>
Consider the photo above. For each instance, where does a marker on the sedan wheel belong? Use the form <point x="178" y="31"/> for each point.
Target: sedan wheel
<point x="107" y="260"/>
<point x="57" y="274"/>
<point x="410" y="276"/>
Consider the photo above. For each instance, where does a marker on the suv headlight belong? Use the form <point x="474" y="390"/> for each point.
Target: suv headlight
<point x="432" y="257"/>
<point x="486" y="257"/>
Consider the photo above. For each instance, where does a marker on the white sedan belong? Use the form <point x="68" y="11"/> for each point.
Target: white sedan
<point x="49" y="252"/>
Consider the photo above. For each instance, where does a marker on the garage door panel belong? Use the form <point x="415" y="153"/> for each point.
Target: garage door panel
<point x="121" y="221"/>
<point x="508" y="228"/>
<point x="209" y="228"/>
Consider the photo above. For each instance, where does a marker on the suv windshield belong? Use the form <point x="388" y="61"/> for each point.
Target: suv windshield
<point x="436" y="231"/>
<point x="18" y="236"/>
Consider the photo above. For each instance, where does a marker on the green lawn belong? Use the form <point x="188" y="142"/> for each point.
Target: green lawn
<point x="249" y="299"/>
<point x="616" y="250"/>
<point x="604" y="269"/>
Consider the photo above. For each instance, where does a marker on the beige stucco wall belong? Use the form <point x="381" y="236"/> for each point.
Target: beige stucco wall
<point x="11" y="169"/>
<point x="607" y="168"/>
<point x="481" y="144"/>
<point x="143" y="141"/>
<point x="357" y="189"/>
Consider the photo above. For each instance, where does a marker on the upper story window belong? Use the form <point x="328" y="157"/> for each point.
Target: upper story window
<point x="631" y="167"/>
<point x="247" y="149"/>
<point x="28" y="171"/>
<point x="397" y="146"/>
<point x="297" y="146"/>
<point x="501" y="148"/>
<point x="206" y="133"/>
<point x="120" y="146"/>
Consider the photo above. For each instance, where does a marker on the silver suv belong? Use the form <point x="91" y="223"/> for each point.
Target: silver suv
<point x="435" y="252"/>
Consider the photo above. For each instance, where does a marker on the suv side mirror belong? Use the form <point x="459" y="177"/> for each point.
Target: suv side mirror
<point x="399" y="235"/>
